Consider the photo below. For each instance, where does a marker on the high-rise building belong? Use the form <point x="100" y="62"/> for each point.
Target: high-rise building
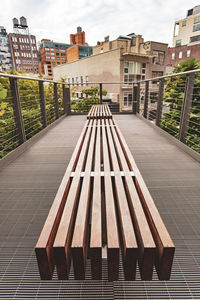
<point x="186" y="39"/>
<point x="78" y="38"/>
<point x="5" y="55"/>
<point x="23" y="48"/>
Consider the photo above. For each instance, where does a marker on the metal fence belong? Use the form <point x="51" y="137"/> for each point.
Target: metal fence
<point x="27" y="105"/>
<point x="175" y="107"/>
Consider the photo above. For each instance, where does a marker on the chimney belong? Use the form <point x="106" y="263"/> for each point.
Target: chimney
<point x="106" y="39"/>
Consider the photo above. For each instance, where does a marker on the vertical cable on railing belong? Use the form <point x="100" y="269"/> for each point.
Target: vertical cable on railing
<point x="55" y="93"/>
<point x="146" y="99"/>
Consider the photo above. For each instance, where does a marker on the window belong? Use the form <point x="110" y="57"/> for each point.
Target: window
<point x="180" y="55"/>
<point x="173" y="55"/>
<point x="133" y="68"/>
<point x="197" y="20"/>
<point x="81" y="80"/>
<point x="77" y="80"/>
<point x="158" y="57"/>
<point x="194" y="38"/>
<point x="178" y="43"/>
<point x="184" y="23"/>
<point x="188" y="53"/>
<point x="196" y="27"/>
<point x="128" y="98"/>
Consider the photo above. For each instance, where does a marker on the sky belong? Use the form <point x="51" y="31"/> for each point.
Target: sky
<point x="56" y="19"/>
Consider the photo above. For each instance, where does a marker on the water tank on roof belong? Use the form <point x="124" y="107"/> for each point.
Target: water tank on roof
<point x="79" y="29"/>
<point x="23" y="22"/>
<point x="15" y="22"/>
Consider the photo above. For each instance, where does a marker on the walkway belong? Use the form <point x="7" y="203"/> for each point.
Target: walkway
<point x="27" y="189"/>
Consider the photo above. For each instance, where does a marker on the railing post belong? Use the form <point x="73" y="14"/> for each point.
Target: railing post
<point x="160" y="102"/>
<point x="135" y="95"/>
<point x="146" y="99"/>
<point x="56" y="100"/>
<point x="42" y="104"/>
<point x="17" y="110"/>
<point x="100" y="92"/>
<point x="66" y="100"/>
<point x="186" y="108"/>
<point x="138" y="98"/>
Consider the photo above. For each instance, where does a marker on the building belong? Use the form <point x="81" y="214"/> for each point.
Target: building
<point x="126" y="59"/>
<point x="176" y="54"/>
<point x="78" y="38"/>
<point x="23" y="48"/>
<point x="187" y="30"/>
<point x="51" y="55"/>
<point x="77" y="52"/>
<point x="5" y="55"/>
<point x="186" y="39"/>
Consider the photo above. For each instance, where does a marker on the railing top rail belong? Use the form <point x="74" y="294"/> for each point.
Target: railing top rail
<point x="30" y="78"/>
<point x="86" y="83"/>
<point x="169" y="75"/>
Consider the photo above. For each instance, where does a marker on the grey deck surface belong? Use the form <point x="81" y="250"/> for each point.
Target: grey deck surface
<point x="27" y="189"/>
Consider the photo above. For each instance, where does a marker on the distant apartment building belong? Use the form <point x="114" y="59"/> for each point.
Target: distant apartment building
<point x="187" y="30"/>
<point x="23" y="48"/>
<point x="186" y="39"/>
<point x="51" y="55"/>
<point x="126" y="59"/>
<point x="78" y="38"/>
<point x="5" y="55"/>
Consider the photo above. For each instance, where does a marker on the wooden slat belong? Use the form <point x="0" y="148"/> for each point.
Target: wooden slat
<point x="90" y="114"/>
<point x="144" y="237"/>
<point x="165" y="246"/>
<point x="111" y="220"/>
<point x="43" y="247"/>
<point x="79" y="240"/>
<point x="129" y="247"/>
<point x="63" y="237"/>
<point x="96" y="218"/>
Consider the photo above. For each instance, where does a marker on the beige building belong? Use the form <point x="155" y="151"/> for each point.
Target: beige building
<point x="125" y="59"/>
<point x="187" y="30"/>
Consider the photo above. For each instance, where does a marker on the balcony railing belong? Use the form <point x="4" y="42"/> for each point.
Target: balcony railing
<point x="28" y="105"/>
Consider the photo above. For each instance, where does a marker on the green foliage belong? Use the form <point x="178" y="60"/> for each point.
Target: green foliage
<point x="174" y="95"/>
<point x="91" y="98"/>
<point x="30" y="105"/>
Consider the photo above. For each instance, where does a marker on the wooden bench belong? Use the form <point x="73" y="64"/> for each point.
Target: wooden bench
<point x="99" y="112"/>
<point x="103" y="205"/>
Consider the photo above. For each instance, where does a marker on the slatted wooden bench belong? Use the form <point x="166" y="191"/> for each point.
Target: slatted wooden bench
<point x="99" y="112"/>
<point x="103" y="205"/>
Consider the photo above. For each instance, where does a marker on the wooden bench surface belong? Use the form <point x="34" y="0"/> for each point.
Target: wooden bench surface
<point x="103" y="205"/>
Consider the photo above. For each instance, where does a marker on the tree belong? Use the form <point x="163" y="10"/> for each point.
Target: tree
<point x="174" y="95"/>
<point x="91" y="98"/>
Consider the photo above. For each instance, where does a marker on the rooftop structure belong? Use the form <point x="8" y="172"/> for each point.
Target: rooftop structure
<point x="78" y="38"/>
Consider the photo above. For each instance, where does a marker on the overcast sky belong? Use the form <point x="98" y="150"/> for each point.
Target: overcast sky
<point x="56" y="19"/>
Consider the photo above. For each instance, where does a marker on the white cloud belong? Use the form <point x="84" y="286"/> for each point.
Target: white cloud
<point x="55" y="20"/>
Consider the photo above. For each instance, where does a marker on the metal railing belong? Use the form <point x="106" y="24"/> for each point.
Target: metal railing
<point x="27" y="105"/>
<point x="176" y="107"/>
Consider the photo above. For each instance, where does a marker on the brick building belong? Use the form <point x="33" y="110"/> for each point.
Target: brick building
<point x="23" y="48"/>
<point x="78" y="38"/>
<point x="51" y="55"/>
<point x="176" y="54"/>
<point x="77" y="52"/>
